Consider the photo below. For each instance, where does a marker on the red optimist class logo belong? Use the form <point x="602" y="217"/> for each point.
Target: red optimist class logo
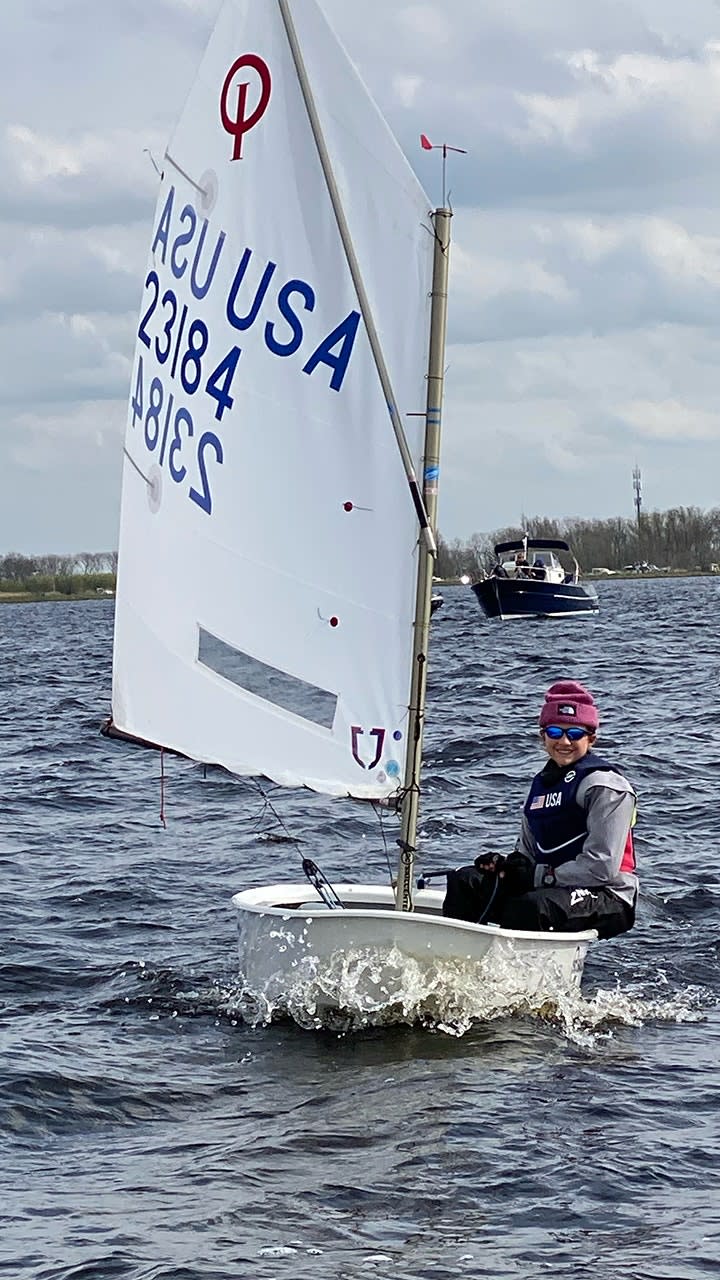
<point x="234" y="114"/>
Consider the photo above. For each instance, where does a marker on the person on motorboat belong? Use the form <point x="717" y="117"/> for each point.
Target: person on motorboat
<point x="522" y="565"/>
<point x="573" y="866"/>
<point x="538" y="569"/>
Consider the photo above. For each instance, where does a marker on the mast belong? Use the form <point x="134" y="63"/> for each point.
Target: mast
<point x="426" y="560"/>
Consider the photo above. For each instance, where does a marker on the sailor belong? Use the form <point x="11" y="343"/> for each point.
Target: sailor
<point x="573" y="866"/>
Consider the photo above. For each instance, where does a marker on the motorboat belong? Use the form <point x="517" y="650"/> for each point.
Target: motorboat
<point x="529" y="580"/>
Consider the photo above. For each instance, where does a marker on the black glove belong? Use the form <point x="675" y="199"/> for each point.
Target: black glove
<point x="490" y="862"/>
<point x="518" y="873"/>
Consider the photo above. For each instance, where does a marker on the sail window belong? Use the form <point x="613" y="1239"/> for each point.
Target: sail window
<point x="269" y="683"/>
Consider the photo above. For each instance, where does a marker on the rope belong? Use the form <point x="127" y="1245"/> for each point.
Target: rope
<point x="379" y="815"/>
<point x="162" y="787"/>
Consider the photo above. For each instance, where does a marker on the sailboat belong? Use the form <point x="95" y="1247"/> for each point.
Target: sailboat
<point x="279" y="493"/>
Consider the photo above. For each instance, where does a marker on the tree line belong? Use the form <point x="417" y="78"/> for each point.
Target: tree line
<point x="681" y="538"/>
<point x="62" y="575"/>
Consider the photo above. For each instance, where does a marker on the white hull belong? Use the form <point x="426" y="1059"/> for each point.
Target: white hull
<point x="376" y="965"/>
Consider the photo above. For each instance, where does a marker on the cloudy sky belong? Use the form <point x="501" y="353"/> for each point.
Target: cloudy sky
<point x="586" y="272"/>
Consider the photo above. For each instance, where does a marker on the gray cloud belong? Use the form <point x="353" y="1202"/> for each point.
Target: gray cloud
<point x="54" y="271"/>
<point x="55" y="357"/>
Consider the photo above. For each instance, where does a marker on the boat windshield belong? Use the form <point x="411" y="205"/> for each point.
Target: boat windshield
<point x="541" y="564"/>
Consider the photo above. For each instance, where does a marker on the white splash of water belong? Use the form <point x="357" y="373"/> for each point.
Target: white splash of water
<point x="586" y="1020"/>
<point x="361" y="990"/>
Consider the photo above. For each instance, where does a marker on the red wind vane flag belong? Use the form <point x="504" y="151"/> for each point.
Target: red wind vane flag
<point x="425" y="143"/>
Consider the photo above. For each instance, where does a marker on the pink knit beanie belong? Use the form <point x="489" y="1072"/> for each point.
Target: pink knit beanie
<point x="567" y="702"/>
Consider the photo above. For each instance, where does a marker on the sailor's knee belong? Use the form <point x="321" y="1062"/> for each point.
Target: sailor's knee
<point x="460" y="893"/>
<point x="522" y="912"/>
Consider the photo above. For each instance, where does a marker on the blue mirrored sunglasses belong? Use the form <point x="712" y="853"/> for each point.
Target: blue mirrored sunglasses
<point x="573" y="734"/>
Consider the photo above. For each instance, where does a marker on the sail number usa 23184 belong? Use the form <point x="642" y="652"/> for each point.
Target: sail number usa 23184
<point x="179" y="385"/>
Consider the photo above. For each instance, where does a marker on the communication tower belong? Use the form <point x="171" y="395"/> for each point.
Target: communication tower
<point x="637" y="486"/>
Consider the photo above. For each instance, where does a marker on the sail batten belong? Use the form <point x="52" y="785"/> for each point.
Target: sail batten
<point x="268" y="558"/>
<point x="354" y="268"/>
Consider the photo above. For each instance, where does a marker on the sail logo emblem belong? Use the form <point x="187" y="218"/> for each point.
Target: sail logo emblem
<point x="234" y="116"/>
<point x="357" y="733"/>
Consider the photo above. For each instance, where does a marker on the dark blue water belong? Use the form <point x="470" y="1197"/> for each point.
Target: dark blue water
<point x="149" y="1132"/>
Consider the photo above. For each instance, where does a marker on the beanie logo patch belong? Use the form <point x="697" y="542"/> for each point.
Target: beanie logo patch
<point x="566" y="709"/>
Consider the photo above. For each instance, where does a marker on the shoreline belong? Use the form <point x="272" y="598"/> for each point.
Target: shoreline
<point x="55" y="597"/>
<point x="51" y="597"/>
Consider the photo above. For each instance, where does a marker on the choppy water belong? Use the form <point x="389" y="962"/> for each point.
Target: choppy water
<point x="149" y="1132"/>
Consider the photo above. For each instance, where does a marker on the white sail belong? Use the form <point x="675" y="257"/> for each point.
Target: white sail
<point x="268" y="540"/>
